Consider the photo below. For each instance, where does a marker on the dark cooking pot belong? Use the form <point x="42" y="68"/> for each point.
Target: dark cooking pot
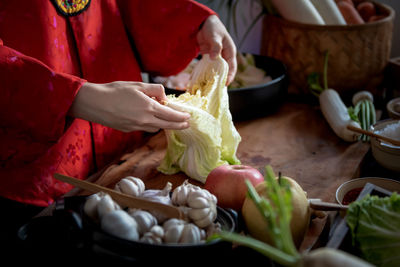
<point x="69" y="229"/>
<point x="257" y="100"/>
<point x="262" y="99"/>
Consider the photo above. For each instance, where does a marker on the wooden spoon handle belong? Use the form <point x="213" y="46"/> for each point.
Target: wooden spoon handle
<point x="384" y="138"/>
<point x="123" y="199"/>
<point x="320" y="205"/>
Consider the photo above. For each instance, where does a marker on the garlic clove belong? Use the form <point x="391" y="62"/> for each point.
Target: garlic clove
<point x="206" y="221"/>
<point x="198" y="214"/>
<point x="157" y="231"/>
<point x="120" y="224"/>
<point x="203" y="234"/>
<point x="90" y="206"/>
<point x="154" y="236"/>
<point x="150" y="238"/>
<point x="144" y="219"/>
<point x="173" y="234"/>
<point x="106" y="204"/>
<point x="179" y="195"/>
<point x="172" y="222"/>
<point x="198" y="202"/>
<point x="190" y="234"/>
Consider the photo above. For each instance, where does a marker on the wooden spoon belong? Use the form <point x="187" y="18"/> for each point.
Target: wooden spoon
<point x="317" y="204"/>
<point x="123" y="199"/>
<point x="384" y="138"/>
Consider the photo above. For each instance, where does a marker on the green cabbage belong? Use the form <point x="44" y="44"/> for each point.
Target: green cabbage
<point x="212" y="139"/>
<point x="375" y="227"/>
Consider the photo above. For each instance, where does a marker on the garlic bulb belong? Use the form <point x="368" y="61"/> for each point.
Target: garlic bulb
<point x="144" y="219"/>
<point x="99" y="204"/>
<point x="181" y="193"/>
<point x="120" y="224"/>
<point x="173" y="230"/>
<point x="106" y="204"/>
<point x="202" y="204"/>
<point x="154" y="236"/>
<point x="179" y="231"/>
<point x="172" y="222"/>
<point x="90" y="206"/>
<point x="191" y="234"/>
<point x="161" y="196"/>
<point x="204" y="208"/>
<point x="130" y="185"/>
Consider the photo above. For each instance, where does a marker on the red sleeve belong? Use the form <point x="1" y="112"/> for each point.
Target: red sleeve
<point x="164" y="32"/>
<point x="34" y="99"/>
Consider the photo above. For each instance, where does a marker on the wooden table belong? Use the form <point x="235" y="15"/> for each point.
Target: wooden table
<point x="296" y="141"/>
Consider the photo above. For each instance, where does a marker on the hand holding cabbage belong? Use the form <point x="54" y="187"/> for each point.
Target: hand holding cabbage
<point x="212" y="139"/>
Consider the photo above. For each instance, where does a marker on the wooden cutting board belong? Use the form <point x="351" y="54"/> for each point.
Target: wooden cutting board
<point x="296" y="141"/>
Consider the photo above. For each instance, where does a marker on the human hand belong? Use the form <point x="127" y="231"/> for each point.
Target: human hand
<point x="127" y="106"/>
<point x="214" y="39"/>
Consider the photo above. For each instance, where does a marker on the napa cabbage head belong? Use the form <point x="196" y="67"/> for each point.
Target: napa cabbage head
<point x="375" y="226"/>
<point x="212" y="139"/>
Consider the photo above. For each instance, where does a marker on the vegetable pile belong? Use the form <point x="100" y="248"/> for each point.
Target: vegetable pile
<point x="197" y="204"/>
<point x="375" y="227"/>
<point x="248" y="74"/>
<point x="358" y="11"/>
<point x="276" y="211"/>
<point x="328" y="12"/>
<point x="212" y="139"/>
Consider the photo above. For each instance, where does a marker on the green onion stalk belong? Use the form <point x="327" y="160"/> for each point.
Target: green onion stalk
<point x="313" y="79"/>
<point x="364" y="113"/>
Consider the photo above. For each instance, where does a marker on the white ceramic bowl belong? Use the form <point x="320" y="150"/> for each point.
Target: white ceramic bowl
<point x="385" y="154"/>
<point x="385" y="183"/>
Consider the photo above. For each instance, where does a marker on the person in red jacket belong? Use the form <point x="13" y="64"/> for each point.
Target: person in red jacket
<point x="71" y="94"/>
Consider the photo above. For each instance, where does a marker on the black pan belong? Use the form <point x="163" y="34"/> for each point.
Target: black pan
<point x="70" y="230"/>
<point x="259" y="100"/>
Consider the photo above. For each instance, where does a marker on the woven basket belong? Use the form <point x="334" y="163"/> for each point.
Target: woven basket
<point x="358" y="54"/>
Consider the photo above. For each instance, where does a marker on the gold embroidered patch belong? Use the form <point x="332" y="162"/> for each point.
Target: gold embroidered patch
<point x="71" y="7"/>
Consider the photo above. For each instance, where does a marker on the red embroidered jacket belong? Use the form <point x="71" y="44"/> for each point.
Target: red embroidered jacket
<point x="45" y="58"/>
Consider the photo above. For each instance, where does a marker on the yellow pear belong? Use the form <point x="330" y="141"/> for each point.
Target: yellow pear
<point x="257" y="226"/>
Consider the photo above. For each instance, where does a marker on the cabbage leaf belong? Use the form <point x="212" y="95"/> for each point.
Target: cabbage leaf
<point x="375" y="228"/>
<point x="212" y="139"/>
